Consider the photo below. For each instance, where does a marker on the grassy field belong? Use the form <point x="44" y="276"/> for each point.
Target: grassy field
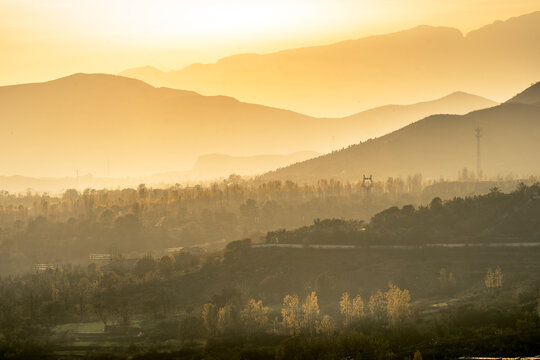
<point x="95" y="327"/>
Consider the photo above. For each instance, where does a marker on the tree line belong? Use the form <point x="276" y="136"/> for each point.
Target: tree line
<point x="493" y="217"/>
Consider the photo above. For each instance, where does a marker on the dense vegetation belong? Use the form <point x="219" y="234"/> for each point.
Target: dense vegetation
<point x="489" y="218"/>
<point x="252" y="303"/>
<point x="60" y="230"/>
<point x="494" y="217"/>
<point x="274" y="304"/>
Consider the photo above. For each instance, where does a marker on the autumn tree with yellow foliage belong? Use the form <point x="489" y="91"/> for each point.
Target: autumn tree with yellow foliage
<point x="310" y="314"/>
<point x="351" y="309"/>
<point x="255" y="316"/>
<point x="290" y="314"/>
<point x="397" y="304"/>
<point x="392" y="305"/>
<point x="377" y="306"/>
<point x="327" y="326"/>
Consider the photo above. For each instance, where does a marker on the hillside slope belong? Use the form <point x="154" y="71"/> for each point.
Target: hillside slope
<point x="385" y="119"/>
<point x="439" y="145"/>
<point x="529" y="96"/>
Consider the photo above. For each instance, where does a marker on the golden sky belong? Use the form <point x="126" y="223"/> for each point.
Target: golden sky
<point x="46" y="39"/>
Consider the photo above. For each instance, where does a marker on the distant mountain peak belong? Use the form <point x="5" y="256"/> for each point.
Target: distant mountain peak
<point x="100" y="79"/>
<point x="458" y="102"/>
<point x="464" y="96"/>
<point x="458" y="94"/>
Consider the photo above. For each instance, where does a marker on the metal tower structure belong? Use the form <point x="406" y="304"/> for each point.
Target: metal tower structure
<point x="479" y="174"/>
<point x="367" y="182"/>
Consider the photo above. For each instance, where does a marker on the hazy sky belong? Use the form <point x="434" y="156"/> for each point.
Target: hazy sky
<point x="45" y="39"/>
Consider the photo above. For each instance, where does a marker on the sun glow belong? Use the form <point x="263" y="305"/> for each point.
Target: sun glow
<point x="41" y="40"/>
<point x="168" y="20"/>
<point x="217" y="18"/>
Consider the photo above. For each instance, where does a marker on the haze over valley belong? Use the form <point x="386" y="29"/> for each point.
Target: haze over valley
<point x="86" y="121"/>
<point x="314" y="180"/>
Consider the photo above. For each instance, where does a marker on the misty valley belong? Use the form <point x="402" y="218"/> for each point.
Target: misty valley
<point x="306" y="198"/>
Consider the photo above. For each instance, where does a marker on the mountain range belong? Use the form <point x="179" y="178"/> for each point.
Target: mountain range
<point x="424" y="62"/>
<point x="94" y="121"/>
<point x="440" y="146"/>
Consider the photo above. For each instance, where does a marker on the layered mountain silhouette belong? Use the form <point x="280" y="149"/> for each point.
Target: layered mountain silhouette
<point x="384" y="119"/>
<point x="440" y="146"/>
<point x="86" y="121"/>
<point x="338" y="79"/>
<point x="207" y="168"/>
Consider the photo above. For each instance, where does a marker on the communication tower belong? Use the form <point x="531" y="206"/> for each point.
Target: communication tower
<point x="479" y="174"/>
<point x="367" y="183"/>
